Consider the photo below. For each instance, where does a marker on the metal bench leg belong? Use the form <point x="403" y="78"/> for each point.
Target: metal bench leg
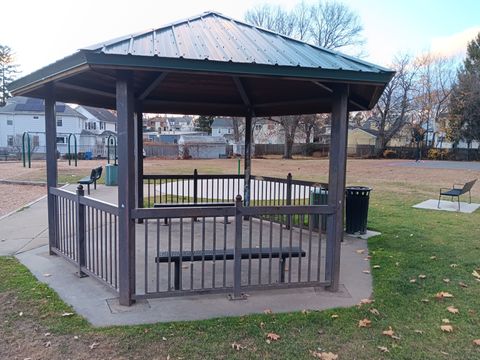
<point x="88" y="189"/>
<point x="95" y="184"/>
<point x="458" y="197"/>
<point x="438" y="205"/>
<point x="177" y="275"/>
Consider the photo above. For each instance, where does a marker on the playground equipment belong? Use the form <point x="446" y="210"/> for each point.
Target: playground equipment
<point x="75" y="148"/>
<point x="112" y="141"/>
<point x="29" y="150"/>
<point x="111" y="178"/>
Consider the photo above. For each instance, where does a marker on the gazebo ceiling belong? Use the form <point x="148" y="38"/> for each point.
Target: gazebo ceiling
<point x="211" y="65"/>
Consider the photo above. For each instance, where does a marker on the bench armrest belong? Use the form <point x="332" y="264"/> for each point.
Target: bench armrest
<point x="441" y="189"/>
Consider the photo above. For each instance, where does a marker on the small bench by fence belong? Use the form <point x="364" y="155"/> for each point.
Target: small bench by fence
<point x="177" y="258"/>
<point x="95" y="175"/>
<point x="457" y="192"/>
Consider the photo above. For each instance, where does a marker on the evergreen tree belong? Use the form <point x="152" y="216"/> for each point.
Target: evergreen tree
<point x="7" y="72"/>
<point x="204" y="123"/>
<point x="464" y="106"/>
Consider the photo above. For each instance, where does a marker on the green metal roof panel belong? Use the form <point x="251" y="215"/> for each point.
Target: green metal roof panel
<point x="215" y="37"/>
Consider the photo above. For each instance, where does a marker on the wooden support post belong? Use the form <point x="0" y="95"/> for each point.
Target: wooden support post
<point x="336" y="184"/>
<point x="248" y="159"/>
<point x="139" y="157"/>
<point x="126" y="186"/>
<point x="51" y="149"/>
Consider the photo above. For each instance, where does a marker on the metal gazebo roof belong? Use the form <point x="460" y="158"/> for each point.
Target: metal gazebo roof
<point x="213" y="65"/>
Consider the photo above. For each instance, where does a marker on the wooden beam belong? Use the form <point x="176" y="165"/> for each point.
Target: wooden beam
<point x="85" y="90"/>
<point x="336" y="184"/>
<point x="242" y="91"/>
<point x="153" y="85"/>
<point x="350" y="101"/>
<point x="51" y="150"/>
<point x="126" y="187"/>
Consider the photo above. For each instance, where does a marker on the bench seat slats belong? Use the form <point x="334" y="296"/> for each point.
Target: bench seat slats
<point x="220" y="254"/>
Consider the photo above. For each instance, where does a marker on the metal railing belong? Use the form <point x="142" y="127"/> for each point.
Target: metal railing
<point x="205" y="188"/>
<point x="213" y="249"/>
<point x="86" y="234"/>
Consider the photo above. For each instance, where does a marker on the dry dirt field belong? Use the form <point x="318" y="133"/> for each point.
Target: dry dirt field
<point x="382" y="175"/>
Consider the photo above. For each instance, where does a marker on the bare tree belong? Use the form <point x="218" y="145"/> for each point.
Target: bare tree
<point x="289" y="126"/>
<point x="271" y="17"/>
<point x="302" y="15"/>
<point x="334" y="25"/>
<point x="308" y="125"/>
<point x="238" y="124"/>
<point x="8" y="70"/>
<point x="392" y="109"/>
<point x="432" y="91"/>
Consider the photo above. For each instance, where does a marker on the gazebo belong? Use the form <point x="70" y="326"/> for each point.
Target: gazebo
<point x="204" y="65"/>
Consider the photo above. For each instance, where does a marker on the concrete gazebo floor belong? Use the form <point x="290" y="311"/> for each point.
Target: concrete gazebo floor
<point x="24" y="234"/>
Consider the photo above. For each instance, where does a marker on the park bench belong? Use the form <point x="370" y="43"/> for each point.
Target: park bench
<point x="211" y="255"/>
<point x="92" y="179"/>
<point x="456" y="191"/>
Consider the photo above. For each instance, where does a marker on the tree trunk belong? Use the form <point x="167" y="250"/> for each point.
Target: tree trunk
<point x="287" y="152"/>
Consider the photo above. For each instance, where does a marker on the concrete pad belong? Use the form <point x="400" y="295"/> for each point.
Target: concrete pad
<point x="98" y="304"/>
<point x="447" y="206"/>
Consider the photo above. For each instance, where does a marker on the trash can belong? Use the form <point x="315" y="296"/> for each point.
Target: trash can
<point x="88" y="155"/>
<point x="357" y="199"/>
<point x="111" y="175"/>
<point x="319" y="196"/>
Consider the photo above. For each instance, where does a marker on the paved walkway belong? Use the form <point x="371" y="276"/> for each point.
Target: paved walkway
<point x="24" y="234"/>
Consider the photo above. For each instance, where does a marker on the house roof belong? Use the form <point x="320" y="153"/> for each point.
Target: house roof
<point x="371" y="132"/>
<point x="222" y="123"/>
<point x="211" y="64"/>
<point x="101" y="114"/>
<point x="22" y="104"/>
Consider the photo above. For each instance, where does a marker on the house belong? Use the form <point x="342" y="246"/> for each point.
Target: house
<point x="202" y="147"/>
<point x="360" y="137"/>
<point x="172" y="138"/>
<point x="179" y="123"/>
<point x="98" y="120"/>
<point x="22" y="114"/>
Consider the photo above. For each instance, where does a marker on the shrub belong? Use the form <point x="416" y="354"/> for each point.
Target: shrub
<point x="436" y="154"/>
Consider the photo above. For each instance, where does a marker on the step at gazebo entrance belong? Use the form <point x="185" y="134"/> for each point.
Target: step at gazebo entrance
<point x="205" y="65"/>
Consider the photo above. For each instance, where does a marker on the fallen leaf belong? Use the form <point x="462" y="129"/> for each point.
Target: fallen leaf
<point x="324" y="355"/>
<point x="442" y="295"/>
<point x="476" y="274"/>
<point x="75" y="337"/>
<point x="48" y="344"/>
<point x="433" y="257"/>
<point x="47" y="275"/>
<point x="418" y="331"/>
<point x="365" y="301"/>
<point x="425" y="300"/>
<point x="268" y="311"/>
<point x="20" y="313"/>
<point x="446" y="280"/>
<point x="375" y="311"/>
<point x="366" y="271"/>
<point x="476" y="342"/>
<point x="48" y="334"/>
<point x="446" y="321"/>
<point x="65" y="314"/>
<point x="412" y="281"/>
<point x="360" y="251"/>
<point x="93" y="346"/>
<point x="273" y="336"/>
<point x="462" y="284"/>
<point x="422" y="276"/>
<point x="262" y="325"/>
<point x="446" y="328"/>
<point x="383" y="349"/>
<point x="453" y="266"/>
<point x="305" y="312"/>
<point x="452" y="310"/>
<point x="236" y="346"/>
<point x="376" y="266"/>
<point x="397" y="263"/>
<point x="364" y="323"/>
<point x="388" y="332"/>
<point x="164" y="338"/>
<point x="334" y="316"/>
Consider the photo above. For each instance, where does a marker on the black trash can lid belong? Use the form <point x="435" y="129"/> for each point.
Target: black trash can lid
<point x="358" y="188"/>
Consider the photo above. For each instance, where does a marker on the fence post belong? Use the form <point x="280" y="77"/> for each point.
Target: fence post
<point x="237" y="252"/>
<point x="195" y="186"/>
<point x="289" y="198"/>
<point x="80" y="230"/>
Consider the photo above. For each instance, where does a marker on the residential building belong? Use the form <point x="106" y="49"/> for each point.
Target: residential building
<point x="98" y="120"/>
<point x="202" y="147"/>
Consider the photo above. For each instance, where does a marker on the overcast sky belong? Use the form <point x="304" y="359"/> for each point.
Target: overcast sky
<point x="41" y="32"/>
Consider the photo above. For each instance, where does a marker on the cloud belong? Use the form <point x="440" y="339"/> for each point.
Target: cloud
<point x="455" y="44"/>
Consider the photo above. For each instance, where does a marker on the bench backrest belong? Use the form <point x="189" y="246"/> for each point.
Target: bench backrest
<point x="93" y="174"/>
<point x="98" y="172"/>
<point x="468" y="186"/>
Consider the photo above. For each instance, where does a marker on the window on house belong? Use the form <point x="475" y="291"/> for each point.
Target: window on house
<point x="59" y="121"/>
<point x="60" y="140"/>
<point x="9" y="121"/>
<point x="35" y="117"/>
<point x="258" y="127"/>
<point x="36" y="141"/>
<point x="102" y="125"/>
<point x="10" y="140"/>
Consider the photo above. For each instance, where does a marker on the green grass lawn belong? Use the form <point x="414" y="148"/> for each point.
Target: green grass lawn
<point x="443" y="246"/>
